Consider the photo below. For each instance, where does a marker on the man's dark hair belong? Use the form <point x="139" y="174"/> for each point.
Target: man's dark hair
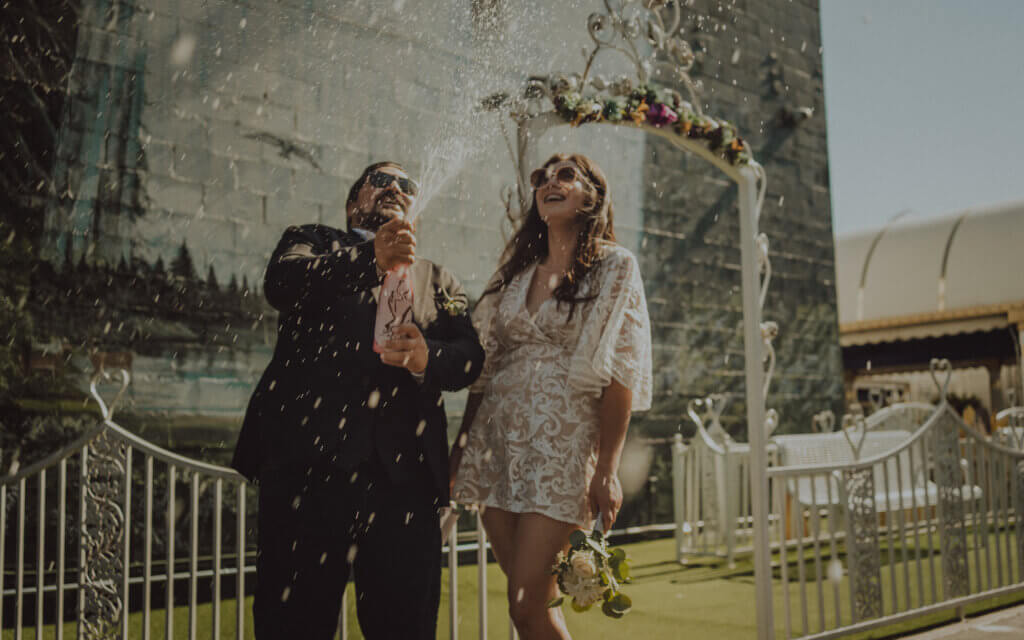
<point x="353" y="193"/>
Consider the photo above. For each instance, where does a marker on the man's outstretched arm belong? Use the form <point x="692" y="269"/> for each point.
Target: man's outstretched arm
<point x="305" y="267"/>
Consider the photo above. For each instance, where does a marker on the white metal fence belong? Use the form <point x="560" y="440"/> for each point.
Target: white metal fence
<point x="933" y="522"/>
<point x="112" y="525"/>
<point x="897" y="515"/>
<point x="904" y="513"/>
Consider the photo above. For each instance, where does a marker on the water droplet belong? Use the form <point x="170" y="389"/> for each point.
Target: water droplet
<point x="182" y="50"/>
<point x="374" y="399"/>
<point x="835" y="570"/>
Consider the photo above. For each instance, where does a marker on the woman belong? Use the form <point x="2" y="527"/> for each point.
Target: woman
<point x="565" y="328"/>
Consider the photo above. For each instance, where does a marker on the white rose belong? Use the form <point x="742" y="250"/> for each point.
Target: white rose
<point x="591" y="592"/>
<point x="583" y="564"/>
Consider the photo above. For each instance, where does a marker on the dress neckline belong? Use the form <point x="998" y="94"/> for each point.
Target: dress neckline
<point x="527" y="282"/>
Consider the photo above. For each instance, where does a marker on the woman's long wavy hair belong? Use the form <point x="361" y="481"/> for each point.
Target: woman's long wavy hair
<point x="529" y="244"/>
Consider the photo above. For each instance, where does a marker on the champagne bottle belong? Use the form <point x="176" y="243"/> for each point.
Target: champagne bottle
<point x="394" y="305"/>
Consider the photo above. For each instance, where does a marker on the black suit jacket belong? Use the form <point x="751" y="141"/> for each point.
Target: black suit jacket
<point x="326" y="399"/>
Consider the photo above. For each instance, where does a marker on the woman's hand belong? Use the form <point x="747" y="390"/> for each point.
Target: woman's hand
<point x="454" y="459"/>
<point x="606" y="497"/>
<point x="455" y="456"/>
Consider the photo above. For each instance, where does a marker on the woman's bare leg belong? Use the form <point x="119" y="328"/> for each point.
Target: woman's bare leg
<point x="531" y="585"/>
<point x="501" y="527"/>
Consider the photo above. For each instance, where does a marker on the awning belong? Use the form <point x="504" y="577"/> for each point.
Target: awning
<point x="931" y="325"/>
<point x="917" y="266"/>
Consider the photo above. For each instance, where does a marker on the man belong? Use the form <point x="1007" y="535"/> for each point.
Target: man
<point x="349" y="447"/>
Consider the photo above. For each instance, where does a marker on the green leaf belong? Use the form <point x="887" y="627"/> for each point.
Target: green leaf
<point x="577" y="539"/>
<point x="607" y="610"/>
<point x="577" y="608"/>
<point x="621" y="571"/>
<point x="620" y="602"/>
<point x="557" y="602"/>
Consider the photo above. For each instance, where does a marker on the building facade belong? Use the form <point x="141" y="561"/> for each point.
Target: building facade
<point x="185" y="135"/>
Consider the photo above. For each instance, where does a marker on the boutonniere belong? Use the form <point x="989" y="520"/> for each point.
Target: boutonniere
<point x="453" y="306"/>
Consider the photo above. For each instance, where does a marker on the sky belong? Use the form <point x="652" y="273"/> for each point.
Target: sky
<point x="924" y="104"/>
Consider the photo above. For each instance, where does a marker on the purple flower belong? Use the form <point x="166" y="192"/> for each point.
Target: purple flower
<point x="659" y="115"/>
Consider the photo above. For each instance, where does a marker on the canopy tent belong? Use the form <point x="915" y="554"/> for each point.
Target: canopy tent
<point x="914" y="279"/>
<point x="947" y="287"/>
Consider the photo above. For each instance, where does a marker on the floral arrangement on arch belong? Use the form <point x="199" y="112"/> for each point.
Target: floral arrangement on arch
<point x="590" y="573"/>
<point x="654" y="106"/>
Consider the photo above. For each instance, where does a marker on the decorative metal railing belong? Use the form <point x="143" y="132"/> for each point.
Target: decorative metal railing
<point x="711" y="479"/>
<point x="109" y="536"/>
<point x="711" y="475"/>
<point x="126" y="526"/>
<point x="919" y="521"/>
<point x="160" y="532"/>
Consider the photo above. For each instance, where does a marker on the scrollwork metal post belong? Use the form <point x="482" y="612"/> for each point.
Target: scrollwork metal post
<point x="857" y="492"/>
<point x="101" y="536"/>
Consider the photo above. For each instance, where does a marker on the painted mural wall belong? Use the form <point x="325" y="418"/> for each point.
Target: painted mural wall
<point x="180" y="137"/>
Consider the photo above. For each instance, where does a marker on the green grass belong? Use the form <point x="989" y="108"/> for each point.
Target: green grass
<point x="703" y="599"/>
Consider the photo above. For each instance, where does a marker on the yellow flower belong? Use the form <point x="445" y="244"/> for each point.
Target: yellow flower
<point x="639" y="114"/>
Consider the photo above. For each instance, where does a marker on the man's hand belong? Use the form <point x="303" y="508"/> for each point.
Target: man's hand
<point x="395" y="244"/>
<point x="406" y="349"/>
<point x="606" y="497"/>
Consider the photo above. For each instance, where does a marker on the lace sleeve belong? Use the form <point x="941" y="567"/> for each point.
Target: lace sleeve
<point x="615" y="342"/>
<point x="485" y="317"/>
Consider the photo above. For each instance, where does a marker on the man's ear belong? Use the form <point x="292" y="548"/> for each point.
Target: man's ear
<point x="350" y="209"/>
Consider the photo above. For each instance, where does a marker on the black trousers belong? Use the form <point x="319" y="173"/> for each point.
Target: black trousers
<point x="318" y="529"/>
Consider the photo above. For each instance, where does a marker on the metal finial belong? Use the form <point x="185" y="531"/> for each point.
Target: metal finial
<point x="824" y="421"/>
<point x="941" y="367"/>
<point x="855" y="423"/>
<point x="105" y="411"/>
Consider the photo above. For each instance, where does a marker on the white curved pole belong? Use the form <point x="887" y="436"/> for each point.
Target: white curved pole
<point x="755" y="376"/>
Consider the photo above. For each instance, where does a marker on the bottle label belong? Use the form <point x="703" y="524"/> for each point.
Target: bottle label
<point x="394" y="306"/>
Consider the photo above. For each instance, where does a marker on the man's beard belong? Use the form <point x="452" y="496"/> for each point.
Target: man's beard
<point x="378" y="217"/>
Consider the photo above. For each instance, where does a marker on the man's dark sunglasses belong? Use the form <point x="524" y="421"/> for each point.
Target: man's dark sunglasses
<point x="382" y="180"/>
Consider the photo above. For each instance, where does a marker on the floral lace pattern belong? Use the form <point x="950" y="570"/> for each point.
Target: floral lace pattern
<point x="533" y="445"/>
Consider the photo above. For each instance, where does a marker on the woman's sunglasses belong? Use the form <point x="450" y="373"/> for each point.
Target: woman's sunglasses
<point x="564" y="175"/>
<point x="383" y="180"/>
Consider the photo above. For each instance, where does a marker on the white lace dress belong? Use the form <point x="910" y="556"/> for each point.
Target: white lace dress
<point x="532" y="447"/>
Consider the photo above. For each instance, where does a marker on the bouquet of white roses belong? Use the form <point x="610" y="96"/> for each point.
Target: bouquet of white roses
<point x="590" y="573"/>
